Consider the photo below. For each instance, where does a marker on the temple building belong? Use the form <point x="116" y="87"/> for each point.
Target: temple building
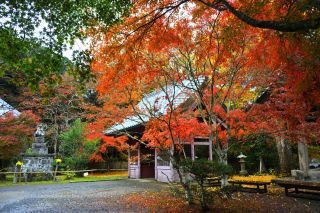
<point x="146" y="162"/>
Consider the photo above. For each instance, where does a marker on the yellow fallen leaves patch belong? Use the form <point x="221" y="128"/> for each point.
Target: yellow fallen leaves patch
<point x="263" y="178"/>
<point x="109" y="174"/>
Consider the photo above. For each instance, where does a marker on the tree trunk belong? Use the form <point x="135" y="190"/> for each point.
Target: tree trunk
<point x="56" y="135"/>
<point x="285" y="155"/>
<point x="303" y="157"/>
<point x="55" y="146"/>
<point x="185" y="182"/>
<point x="262" y="167"/>
<point x="223" y="158"/>
<point x="203" y="199"/>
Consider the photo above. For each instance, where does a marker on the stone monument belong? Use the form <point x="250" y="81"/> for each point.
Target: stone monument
<point x="39" y="146"/>
<point x="242" y="162"/>
<point x="38" y="160"/>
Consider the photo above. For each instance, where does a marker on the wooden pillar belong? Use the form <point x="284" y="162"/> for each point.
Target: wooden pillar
<point x="171" y="174"/>
<point x="129" y="162"/>
<point x="192" y="149"/>
<point x="155" y="164"/>
<point x="139" y="165"/>
<point x="15" y="177"/>
<point x="210" y="151"/>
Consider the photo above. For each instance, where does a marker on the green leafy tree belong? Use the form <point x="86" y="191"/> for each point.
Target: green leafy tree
<point x="34" y="34"/>
<point x="75" y="148"/>
<point x="24" y="62"/>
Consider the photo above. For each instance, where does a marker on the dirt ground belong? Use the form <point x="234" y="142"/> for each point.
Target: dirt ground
<point x="137" y="196"/>
<point x="102" y="196"/>
<point x="273" y="201"/>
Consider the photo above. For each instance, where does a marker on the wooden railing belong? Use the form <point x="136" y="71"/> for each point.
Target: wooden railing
<point x="61" y="172"/>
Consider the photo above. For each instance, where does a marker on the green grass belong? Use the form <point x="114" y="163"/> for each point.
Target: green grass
<point x="61" y="179"/>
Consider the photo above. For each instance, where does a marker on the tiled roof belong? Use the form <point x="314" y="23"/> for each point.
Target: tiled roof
<point x="156" y="104"/>
<point x="5" y="108"/>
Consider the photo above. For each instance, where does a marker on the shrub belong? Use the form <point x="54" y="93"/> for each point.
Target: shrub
<point x="3" y="177"/>
<point x="39" y="176"/>
<point x="70" y="176"/>
<point x="200" y="170"/>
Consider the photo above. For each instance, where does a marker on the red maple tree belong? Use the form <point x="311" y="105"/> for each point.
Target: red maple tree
<point x="16" y="133"/>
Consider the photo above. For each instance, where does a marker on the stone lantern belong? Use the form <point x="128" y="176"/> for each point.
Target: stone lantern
<point x="242" y="162"/>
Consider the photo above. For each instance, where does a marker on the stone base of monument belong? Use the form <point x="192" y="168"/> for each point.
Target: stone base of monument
<point x="312" y="175"/>
<point x="37" y="167"/>
<point x="35" y="163"/>
<point x="298" y="174"/>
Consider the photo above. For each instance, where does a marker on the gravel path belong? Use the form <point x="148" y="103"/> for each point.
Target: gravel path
<point x="72" y="197"/>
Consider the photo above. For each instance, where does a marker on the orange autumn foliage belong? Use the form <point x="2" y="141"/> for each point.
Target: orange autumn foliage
<point x="136" y="56"/>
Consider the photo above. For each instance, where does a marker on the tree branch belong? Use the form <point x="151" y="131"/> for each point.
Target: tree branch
<point x="282" y="26"/>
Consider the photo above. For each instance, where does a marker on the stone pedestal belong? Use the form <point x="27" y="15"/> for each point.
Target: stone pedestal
<point x="37" y="163"/>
